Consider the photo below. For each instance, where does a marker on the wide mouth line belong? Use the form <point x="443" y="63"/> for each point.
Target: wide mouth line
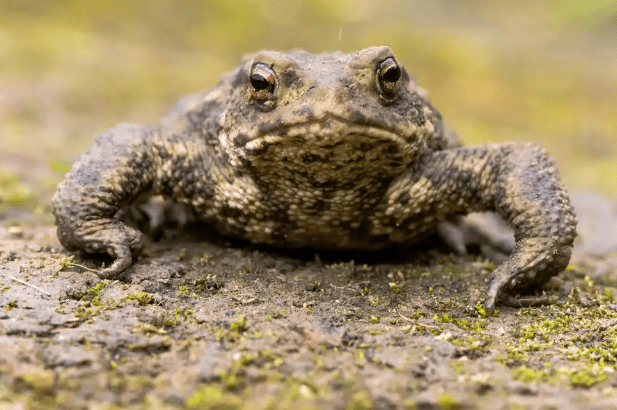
<point x="279" y="133"/>
<point x="281" y="127"/>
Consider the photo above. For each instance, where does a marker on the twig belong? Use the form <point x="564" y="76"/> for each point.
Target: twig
<point x="406" y="318"/>
<point x="415" y="322"/>
<point x="250" y="301"/>
<point x="68" y="261"/>
<point x="83" y="267"/>
<point x="346" y="287"/>
<point x="26" y="284"/>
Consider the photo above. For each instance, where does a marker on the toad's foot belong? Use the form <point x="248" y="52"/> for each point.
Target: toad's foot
<point x="104" y="236"/>
<point x="534" y="262"/>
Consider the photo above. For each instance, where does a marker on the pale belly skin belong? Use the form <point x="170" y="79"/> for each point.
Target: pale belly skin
<point x="334" y="151"/>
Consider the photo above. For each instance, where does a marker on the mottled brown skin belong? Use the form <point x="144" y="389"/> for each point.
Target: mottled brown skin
<point x="337" y="151"/>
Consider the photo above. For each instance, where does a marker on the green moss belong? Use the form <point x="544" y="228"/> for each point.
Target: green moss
<point x="94" y="294"/>
<point x="417" y="314"/>
<point x="360" y="400"/>
<point x="165" y="320"/>
<point x="587" y="378"/>
<point x="239" y="325"/>
<point x="142" y="298"/>
<point x="529" y="375"/>
<point x="473" y="343"/>
<point x="184" y="290"/>
<point x="149" y="329"/>
<point x="83" y="312"/>
<point x="587" y="283"/>
<point x="360" y="357"/>
<point x="448" y="402"/>
<point x="483" y="312"/>
<point x="574" y="330"/>
<point x="279" y="313"/>
<point x="231" y="379"/>
<point x="66" y="261"/>
<point x="10" y="305"/>
<point x="395" y="287"/>
<point x="208" y="282"/>
<point x="609" y="296"/>
<point x="577" y="378"/>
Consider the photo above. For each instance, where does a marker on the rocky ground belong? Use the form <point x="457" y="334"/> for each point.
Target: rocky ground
<point x="202" y="323"/>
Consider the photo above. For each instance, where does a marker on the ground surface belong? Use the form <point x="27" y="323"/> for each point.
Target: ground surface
<point x="200" y="322"/>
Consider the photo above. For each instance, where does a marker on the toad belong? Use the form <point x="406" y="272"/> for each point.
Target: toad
<point x="335" y="151"/>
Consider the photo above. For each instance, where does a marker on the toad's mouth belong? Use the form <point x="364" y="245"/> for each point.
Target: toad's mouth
<point x="329" y="133"/>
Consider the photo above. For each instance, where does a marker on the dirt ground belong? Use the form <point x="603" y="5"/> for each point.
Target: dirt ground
<point x="202" y="323"/>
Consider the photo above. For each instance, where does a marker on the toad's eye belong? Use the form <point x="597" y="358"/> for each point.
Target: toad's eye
<point x="259" y="82"/>
<point x="389" y="75"/>
<point x="262" y="85"/>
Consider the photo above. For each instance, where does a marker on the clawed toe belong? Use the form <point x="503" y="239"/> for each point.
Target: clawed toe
<point x="117" y="267"/>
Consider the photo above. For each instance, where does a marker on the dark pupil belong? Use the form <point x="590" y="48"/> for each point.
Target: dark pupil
<point x="392" y="74"/>
<point x="259" y="82"/>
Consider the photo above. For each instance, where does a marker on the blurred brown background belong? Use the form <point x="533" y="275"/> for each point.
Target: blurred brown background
<point x="498" y="70"/>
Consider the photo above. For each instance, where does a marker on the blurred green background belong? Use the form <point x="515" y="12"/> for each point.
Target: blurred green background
<point x="498" y="70"/>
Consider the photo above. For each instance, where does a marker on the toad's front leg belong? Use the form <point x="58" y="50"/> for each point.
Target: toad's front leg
<point x="124" y="163"/>
<point x="519" y="182"/>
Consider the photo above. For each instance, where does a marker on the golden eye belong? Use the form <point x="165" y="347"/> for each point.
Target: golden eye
<point x="262" y="84"/>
